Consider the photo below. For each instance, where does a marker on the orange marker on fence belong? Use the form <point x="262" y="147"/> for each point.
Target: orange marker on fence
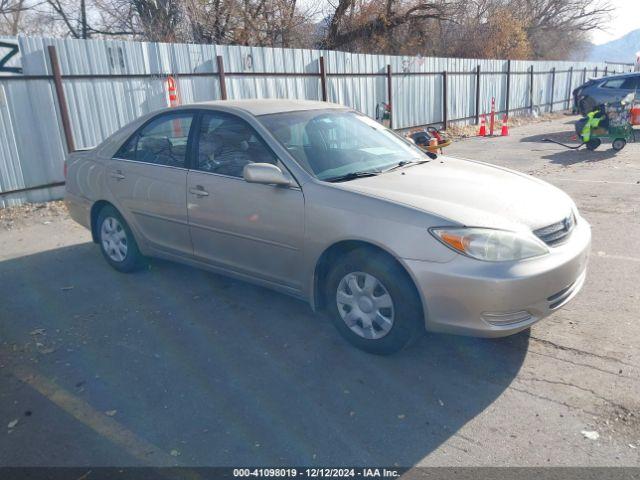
<point x="172" y="88"/>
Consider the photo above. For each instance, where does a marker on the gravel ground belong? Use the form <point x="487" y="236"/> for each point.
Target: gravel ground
<point x="30" y="213"/>
<point x="177" y="366"/>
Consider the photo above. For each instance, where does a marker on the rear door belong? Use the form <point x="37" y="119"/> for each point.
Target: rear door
<point x="148" y="178"/>
<point x="632" y="85"/>
<point x="244" y="227"/>
<point x="614" y="90"/>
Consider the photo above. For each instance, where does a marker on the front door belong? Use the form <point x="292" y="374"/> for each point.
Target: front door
<point x="148" y="177"/>
<point x="244" y="227"/>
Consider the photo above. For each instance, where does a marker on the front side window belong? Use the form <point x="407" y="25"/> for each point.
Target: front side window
<point x="163" y="141"/>
<point x="330" y="143"/>
<point x="227" y="143"/>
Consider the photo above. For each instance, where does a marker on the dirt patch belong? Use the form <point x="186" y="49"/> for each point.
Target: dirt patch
<point x="29" y="213"/>
<point x="466" y="131"/>
<point x="458" y="131"/>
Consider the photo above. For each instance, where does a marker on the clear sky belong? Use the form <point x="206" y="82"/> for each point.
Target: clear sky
<point x="625" y="19"/>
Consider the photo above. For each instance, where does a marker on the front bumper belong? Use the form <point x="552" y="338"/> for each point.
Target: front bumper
<point x="488" y="299"/>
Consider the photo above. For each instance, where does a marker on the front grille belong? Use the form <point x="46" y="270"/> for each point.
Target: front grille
<point x="556" y="233"/>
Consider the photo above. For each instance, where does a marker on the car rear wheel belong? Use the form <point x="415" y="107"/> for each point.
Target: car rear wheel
<point x="373" y="303"/>
<point x="116" y="241"/>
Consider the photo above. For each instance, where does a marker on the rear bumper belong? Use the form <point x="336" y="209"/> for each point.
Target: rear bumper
<point x="471" y="297"/>
<point x="79" y="209"/>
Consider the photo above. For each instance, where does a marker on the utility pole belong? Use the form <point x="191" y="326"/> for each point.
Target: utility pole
<point x="83" y="19"/>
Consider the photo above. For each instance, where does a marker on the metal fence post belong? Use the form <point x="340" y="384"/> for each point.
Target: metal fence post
<point x="478" y="95"/>
<point x="445" y="101"/>
<point x="570" y="86"/>
<point x="553" y="87"/>
<point x="507" y="103"/>
<point x="221" y="78"/>
<point x="390" y="95"/>
<point x="323" y="79"/>
<point x="62" y="101"/>
<point x="531" y="80"/>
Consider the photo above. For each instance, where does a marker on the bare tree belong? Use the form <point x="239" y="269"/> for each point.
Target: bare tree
<point x="379" y="19"/>
<point x="537" y="29"/>
<point x="11" y="14"/>
<point x="550" y="29"/>
<point x="70" y="14"/>
<point x="555" y="27"/>
<point x="276" y="23"/>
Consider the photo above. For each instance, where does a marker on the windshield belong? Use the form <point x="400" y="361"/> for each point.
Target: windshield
<point x="332" y="143"/>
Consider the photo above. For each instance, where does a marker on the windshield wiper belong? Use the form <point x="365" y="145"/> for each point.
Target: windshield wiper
<point x="353" y="175"/>
<point x="404" y="163"/>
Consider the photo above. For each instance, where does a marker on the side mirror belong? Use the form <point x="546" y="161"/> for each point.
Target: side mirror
<point x="265" y="173"/>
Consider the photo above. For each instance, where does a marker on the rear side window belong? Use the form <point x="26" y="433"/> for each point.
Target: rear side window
<point x="163" y="141"/>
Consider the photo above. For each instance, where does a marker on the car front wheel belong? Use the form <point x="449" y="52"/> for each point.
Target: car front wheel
<point x="373" y="303"/>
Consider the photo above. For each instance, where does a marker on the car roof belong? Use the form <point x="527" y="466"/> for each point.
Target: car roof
<point x="619" y="75"/>
<point x="268" y="106"/>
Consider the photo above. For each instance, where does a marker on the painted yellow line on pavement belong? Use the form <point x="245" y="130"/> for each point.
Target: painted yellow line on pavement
<point x="105" y="426"/>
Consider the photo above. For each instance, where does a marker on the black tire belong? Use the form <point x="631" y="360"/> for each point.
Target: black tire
<point x="618" y="144"/>
<point x="581" y="108"/>
<point x="408" y="318"/>
<point x="133" y="260"/>
<point x="593" y="144"/>
<point x="586" y="105"/>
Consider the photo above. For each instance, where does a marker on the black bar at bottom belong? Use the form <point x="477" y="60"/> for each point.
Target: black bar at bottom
<point x="304" y="472"/>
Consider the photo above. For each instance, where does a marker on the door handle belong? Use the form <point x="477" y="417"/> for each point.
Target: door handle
<point x="199" y="191"/>
<point x="117" y="175"/>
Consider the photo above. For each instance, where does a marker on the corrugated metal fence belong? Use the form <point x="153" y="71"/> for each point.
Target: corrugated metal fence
<point x="109" y="83"/>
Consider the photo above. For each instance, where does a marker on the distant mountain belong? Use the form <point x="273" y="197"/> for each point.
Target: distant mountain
<point x="621" y="50"/>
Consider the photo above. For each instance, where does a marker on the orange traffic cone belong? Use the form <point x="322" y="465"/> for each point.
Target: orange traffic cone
<point x="505" y="128"/>
<point x="483" y="126"/>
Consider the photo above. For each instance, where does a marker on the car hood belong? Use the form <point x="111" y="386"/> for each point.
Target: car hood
<point x="470" y="193"/>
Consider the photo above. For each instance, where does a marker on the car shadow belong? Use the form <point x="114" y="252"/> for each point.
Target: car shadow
<point x="233" y="374"/>
<point x="565" y="136"/>
<point x="571" y="157"/>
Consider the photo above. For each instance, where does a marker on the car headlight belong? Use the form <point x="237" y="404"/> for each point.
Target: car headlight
<point x="490" y="245"/>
